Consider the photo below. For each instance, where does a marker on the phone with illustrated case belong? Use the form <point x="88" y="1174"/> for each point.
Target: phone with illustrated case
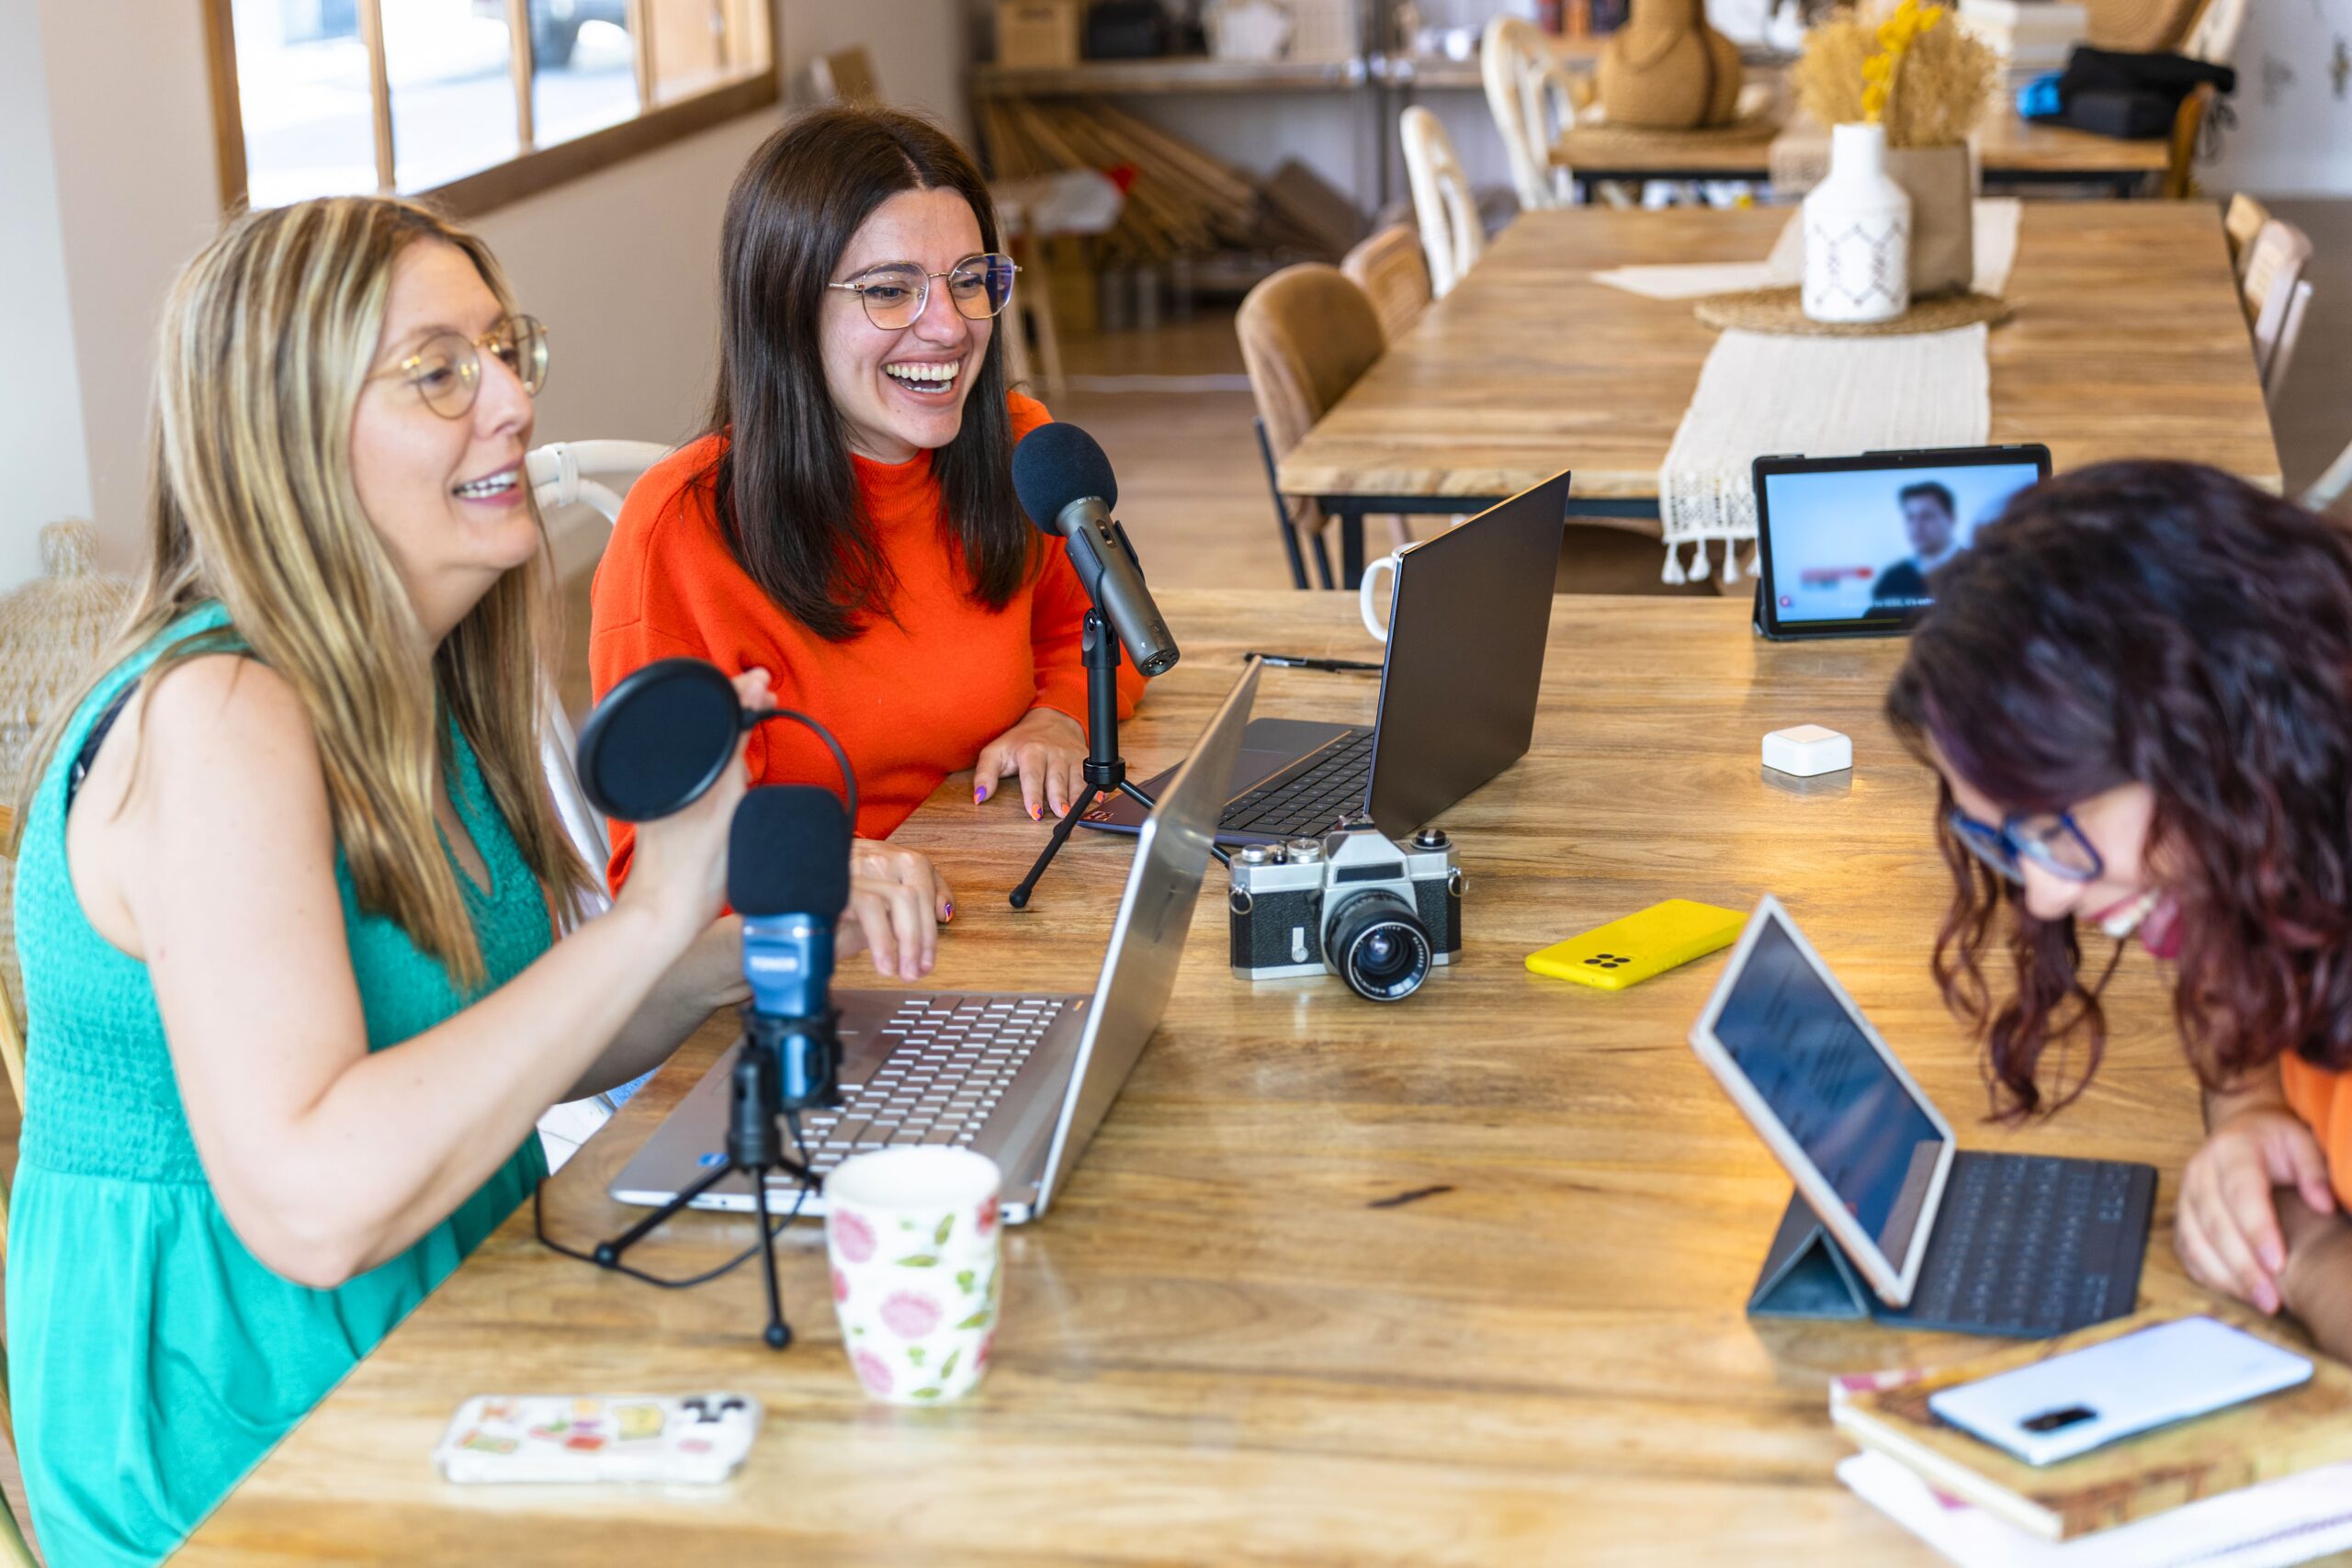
<point x="1624" y="953"/>
<point x="696" y="1440"/>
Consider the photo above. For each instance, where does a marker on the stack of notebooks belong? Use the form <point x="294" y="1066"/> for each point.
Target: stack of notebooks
<point x="2259" y="1485"/>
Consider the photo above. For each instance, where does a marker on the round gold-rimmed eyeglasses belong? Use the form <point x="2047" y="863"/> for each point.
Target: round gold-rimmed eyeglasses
<point x="895" y="293"/>
<point x="445" y="370"/>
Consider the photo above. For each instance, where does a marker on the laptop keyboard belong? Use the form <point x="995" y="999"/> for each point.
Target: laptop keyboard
<point x="1312" y="795"/>
<point x="2031" y="1245"/>
<point x="951" y="1060"/>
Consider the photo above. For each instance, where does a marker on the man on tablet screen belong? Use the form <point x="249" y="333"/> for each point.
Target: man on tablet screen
<point x="1931" y="518"/>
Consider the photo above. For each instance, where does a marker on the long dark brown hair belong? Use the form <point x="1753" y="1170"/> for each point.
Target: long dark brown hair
<point x="784" y="486"/>
<point x="2168" y="624"/>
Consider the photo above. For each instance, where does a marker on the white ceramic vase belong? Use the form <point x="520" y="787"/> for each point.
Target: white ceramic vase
<point x="1856" y="233"/>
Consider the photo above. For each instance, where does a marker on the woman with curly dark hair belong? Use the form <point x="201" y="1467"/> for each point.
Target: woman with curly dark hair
<point x="2136" y="688"/>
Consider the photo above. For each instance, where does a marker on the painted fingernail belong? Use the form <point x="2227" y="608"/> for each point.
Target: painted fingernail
<point x="979" y="794"/>
<point x="947" y="911"/>
<point x="1036" y="814"/>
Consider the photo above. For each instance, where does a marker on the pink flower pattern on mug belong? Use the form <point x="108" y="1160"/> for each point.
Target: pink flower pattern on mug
<point x="874" y="1371"/>
<point x="987" y="1215"/>
<point x="853" y="1236"/>
<point x="840" y="1287"/>
<point x="911" y="1314"/>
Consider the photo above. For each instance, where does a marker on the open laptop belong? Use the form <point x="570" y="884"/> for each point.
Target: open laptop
<point x="1022" y="1079"/>
<point x="1466" y="633"/>
<point x="1946" y="1238"/>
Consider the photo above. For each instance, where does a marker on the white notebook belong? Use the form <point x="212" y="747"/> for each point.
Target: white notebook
<point x="2293" y="1520"/>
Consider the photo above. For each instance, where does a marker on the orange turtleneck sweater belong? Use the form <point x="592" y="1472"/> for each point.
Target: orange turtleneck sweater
<point x="912" y="699"/>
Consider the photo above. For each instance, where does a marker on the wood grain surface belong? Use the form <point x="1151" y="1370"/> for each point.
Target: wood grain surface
<point x="2127" y="341"/>
<point x="2008" y="145"/>
<point x="1457" y="1279"/>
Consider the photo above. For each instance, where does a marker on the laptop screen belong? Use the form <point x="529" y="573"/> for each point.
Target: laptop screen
<point x="1792" y="1038"/>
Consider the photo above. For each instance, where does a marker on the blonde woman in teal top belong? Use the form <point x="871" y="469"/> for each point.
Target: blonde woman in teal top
<point x="285" y="880"/>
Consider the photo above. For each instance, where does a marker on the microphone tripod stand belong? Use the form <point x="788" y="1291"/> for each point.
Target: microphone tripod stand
<point x="1105" y="770"/>
<point x="755" y="1100"/>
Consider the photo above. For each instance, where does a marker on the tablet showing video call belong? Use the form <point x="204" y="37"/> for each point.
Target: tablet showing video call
<point x="1850" y="546"/>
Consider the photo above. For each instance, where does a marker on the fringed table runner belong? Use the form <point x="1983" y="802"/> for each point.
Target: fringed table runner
<point x="1760" y="394"/>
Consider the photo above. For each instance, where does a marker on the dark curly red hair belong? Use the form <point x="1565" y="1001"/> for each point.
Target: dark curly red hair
<point x="2164" y="623"/>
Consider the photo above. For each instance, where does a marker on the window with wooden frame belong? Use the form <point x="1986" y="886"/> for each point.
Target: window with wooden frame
<point x="474" y="102"/>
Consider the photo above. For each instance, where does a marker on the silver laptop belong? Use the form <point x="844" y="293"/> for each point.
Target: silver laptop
<point x="1023" y="1079"/>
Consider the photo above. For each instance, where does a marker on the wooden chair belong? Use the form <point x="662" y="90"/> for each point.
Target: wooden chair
<point x="2282" y="353"/>
<point x="559" y="474"/>
<point x="14" y="1551"/>
<point x="12" y="1037"/>
<point x="1032" y="309"/>
<point x="1533" y="99"/>
<point x="1389" y="267"/>
<point x="2213" y="37"/>
<point x="2329" y="488"/>
<point x="2241" y="221"/>
<point x="2187" y="125"/>
<point x="2274" y="265"/>
<point x="1444" y="203"/>
<point x="1307" y="333"/>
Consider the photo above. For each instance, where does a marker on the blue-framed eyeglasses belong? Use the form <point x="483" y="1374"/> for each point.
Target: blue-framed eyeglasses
<point x="2049" y="838"/>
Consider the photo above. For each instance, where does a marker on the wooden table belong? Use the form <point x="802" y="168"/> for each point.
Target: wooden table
<point x="2011" y="151"/>
<point x="1457" y="1279"/>
<point x="2127" y="341"/>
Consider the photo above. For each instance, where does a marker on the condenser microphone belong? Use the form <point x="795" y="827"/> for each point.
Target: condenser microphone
<point x="788" y="876"/>
<point x="1066" y="488"/>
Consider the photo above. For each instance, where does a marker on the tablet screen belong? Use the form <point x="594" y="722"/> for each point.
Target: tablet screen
<point x="1792" y="1037"/>
<point x="1851" y="547"/>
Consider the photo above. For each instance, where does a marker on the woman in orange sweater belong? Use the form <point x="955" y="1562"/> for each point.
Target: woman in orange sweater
<point x="848" y="523"/>
<point x="2136" y="687"/>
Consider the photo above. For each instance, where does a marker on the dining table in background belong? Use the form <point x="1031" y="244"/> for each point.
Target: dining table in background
<point x="2013" y="155"/>
<point x="1458" y="1279"/>
<point x="2126" y="338"/>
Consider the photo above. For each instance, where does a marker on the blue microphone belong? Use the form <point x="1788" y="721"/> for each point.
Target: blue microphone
<point x="788" y="876"/>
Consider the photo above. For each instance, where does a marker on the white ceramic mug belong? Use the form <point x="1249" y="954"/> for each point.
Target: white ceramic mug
<point x="914" y="1236"/>
<point x="1371" y="571"/>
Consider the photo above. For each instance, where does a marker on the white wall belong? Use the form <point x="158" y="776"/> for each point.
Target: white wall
<point x="623" y="267"/>
<point x="130" y="128"/>
<point x="918" y="47"/>
<point x="41" y="450"/>
<point x="2294" y="109"/>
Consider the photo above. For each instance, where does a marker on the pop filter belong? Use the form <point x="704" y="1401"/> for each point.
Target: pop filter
<point x="664" y="734"/>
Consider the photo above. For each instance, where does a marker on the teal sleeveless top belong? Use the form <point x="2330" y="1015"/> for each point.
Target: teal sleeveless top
<point x="152" y="1360"/>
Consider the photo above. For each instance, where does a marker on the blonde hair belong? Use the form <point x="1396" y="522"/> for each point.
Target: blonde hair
<point x="263" y="349"/>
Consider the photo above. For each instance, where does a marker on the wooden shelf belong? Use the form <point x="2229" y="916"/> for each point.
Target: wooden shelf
<point x="1169" y="74"/>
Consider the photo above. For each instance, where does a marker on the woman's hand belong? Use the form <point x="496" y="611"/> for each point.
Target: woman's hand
<point x="680" y="870"/>
<point x="897" y="901"/>
<point x="1045" y="749"/>
<point x="2226" y="1228"/>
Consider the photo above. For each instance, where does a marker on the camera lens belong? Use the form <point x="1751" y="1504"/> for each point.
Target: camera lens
<point x="1379" y="945"/>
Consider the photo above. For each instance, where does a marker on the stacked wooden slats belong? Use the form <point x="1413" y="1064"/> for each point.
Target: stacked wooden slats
<point x="1182" y="202"/>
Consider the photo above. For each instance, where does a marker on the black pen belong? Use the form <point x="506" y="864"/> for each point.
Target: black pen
<point x="1300" y="662"/>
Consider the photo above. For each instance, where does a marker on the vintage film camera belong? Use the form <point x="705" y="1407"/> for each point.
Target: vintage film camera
<point x="1379" y="913"/>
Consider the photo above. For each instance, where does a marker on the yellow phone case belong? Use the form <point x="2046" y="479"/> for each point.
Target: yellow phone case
<point x="1624" y="953"/>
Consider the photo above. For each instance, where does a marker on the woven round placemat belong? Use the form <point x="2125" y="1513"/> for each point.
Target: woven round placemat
<point x="1781" y="310"/>
<point x="1600" y="141"/>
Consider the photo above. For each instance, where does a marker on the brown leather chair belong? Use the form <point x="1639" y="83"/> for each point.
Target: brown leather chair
<point x="1395" y="275"/>
<point x="1307" y="333"/>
